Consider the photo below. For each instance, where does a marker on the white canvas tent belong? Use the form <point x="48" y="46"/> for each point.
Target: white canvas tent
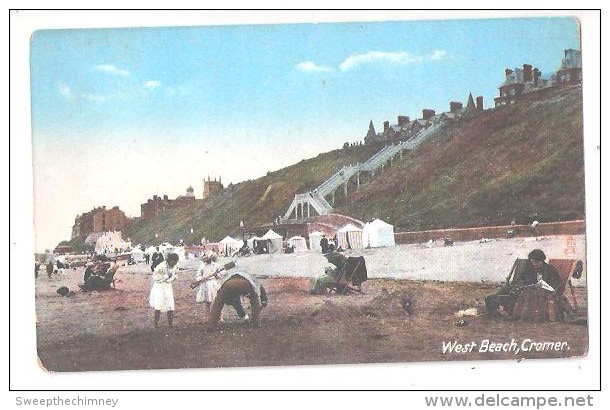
<point x="111" y="242"/>
<point x="137" y="255"/>
<point x="230" y="245"/>
<point x="314" y="240"/>
<point x="251" y="240"/>
<point x="299" y="243"/>
<point x="275" y="241"/>
<point x="350" y="237"/>
<point x="377" y="233"/>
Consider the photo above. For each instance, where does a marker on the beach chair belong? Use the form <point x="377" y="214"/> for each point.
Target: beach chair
<point x="516" y="272"/>
<point x="567" y="269"/>
<point x="505" y="297"/>
<point x="351" y="276"/>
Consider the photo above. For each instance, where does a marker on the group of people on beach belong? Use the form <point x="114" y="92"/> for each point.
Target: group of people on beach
<point x="215" y="287"/>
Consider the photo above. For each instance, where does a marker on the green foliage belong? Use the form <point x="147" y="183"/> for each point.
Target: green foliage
<point x="515" y="162"/>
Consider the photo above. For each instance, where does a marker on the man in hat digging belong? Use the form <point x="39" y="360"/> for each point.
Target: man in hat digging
<point x="232" y="287"/>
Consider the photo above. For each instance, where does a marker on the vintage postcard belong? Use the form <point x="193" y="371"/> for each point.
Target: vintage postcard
<point x="330" y="193"/>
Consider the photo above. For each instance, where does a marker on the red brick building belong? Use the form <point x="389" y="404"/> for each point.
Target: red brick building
<point x="99" y="220"/>
<point x="157" y="205"/>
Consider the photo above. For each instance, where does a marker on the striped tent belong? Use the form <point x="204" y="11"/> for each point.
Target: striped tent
<point x="350" y="237"/>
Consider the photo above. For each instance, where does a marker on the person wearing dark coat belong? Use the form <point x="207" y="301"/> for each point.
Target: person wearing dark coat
<point x="157" y="258"/>
<point x="536" y="270"/>
<point x="324" y="244"/>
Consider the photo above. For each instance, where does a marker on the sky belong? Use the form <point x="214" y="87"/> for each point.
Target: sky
<point x="121" y="114"/>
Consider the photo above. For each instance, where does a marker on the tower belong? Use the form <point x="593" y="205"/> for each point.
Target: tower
<point x="211" y="187"/>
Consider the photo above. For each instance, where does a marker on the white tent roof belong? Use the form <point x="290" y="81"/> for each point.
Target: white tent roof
<point x="350" y="228"/>
<point x="271" y="235"/>
<point x="230" y="240"/>
<point x="378" y="233"/>
<point x="378" y="223"/>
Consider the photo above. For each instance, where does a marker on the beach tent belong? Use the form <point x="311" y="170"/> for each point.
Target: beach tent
<point x="275" y="241"/>
<point x="299" y="243"/>
<point x="377" y="233"/>
<point x="137" y="255"/>
<point x="111" y="242"/>
<point x="251" y="240"/>
<point x="230" y="245"/>
<point x="178" y="250"/>
<point x="314" y="241"/>
<point x="350" y="237"/>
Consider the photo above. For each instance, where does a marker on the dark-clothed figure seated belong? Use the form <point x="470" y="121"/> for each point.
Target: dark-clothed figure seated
<point x="348" y="271"/>
<point x="535" y="273"/>
<point x="99" y="274"/>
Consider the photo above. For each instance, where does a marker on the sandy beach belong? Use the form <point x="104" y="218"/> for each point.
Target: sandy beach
<point x="297" y="328"/>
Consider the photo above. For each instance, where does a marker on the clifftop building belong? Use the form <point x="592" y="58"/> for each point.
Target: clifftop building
<point x="157" y="205"/>
<point x="99" y="220"/>
<point x="211" y="187"/>
<point x="406" y="129"/>
<point x="521" y="81"/>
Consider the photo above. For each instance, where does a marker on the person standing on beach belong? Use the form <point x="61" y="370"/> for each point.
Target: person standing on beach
<point x="157" y="258"/>
<point x="162" y="292"/>
<point x="207" y="275"/>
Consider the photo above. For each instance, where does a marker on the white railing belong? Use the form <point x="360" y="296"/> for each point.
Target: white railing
<point x="316" y="198"/>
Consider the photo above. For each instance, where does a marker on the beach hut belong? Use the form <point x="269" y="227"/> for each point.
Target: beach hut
<point x="299" y="243"/>
<point x="314" y="240"/>
<point x="350" y="237"/>
<point x="377" y="234"/>
<point x="275" y="241"/>
<point x="230" y="245"/>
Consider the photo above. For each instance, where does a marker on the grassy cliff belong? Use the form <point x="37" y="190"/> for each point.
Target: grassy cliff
<point x="518" y="162"/>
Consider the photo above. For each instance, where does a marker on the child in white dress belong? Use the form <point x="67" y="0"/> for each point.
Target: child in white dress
<point x="162" y="292"/>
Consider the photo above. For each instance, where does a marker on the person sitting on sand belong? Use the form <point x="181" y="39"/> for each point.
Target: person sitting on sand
<point x="536" y="273"/>
<point x="320" y="284"/>
<point x="162" y="292"/>
<point x="232" y="287"/>
<point x="99" y="274"/>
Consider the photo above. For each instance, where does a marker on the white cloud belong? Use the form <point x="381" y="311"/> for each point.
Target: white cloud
<point x="375" y="57"/>
<point x="311" y="67"/>
<point x="152" y="84"/>
<point x="65" y="91"/>
<point x="111" y="69"/>
<point x="438" y="55"/>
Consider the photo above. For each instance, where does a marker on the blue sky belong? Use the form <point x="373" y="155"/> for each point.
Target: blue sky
<point x="119" y="115"/>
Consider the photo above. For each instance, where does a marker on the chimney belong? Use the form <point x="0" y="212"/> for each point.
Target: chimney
<point x="480" y="103"/>
<point x="403" y="120"/>
<point x="527" y="73"/>
<point x="427" y="114"/>
<point x="386" y="126"/>
<point x="455" y="106"/>
<point x="537" y="75"/>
